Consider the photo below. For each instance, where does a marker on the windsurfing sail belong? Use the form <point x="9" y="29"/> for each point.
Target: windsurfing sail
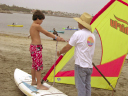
<point x="111" y="23"/>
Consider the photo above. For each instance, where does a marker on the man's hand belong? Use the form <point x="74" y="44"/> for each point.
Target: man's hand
<point x="58" y="53"/>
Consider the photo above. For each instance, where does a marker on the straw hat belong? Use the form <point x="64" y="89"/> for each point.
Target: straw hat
<point x="85" y="20"/>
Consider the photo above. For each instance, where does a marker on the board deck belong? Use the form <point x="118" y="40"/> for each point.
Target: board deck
<point x="23" y="81"/>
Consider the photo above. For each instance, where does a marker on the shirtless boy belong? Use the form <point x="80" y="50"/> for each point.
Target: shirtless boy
<point x="36" y="48"/>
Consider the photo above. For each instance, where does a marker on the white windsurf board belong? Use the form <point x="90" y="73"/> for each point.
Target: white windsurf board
<point x="23" y="81"/>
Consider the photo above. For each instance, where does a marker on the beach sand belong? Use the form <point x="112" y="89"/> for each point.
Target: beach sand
<point x="14" y="53"/>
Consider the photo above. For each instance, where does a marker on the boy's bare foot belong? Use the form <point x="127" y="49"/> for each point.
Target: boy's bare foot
<point x="34" y="83"/>
<point x="42" y="87"/>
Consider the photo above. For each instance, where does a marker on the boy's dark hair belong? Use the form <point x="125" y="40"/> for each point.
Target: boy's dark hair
<point x="38" y="14"/>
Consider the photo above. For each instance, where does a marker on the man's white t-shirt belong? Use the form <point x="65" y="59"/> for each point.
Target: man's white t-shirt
<point x="84" y="42"/>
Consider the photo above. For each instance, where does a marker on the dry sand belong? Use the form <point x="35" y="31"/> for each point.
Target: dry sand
<point x="14" y="53"/>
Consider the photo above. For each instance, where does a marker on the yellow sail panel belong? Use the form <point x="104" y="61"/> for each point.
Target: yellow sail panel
<point x="102" y="83"/>
<point x="62" y="63"/>
<point x="113" y="31"/>
<point x="97" y="82"/>
<point x="102" y="16"/>
<point x="65" y="80"/>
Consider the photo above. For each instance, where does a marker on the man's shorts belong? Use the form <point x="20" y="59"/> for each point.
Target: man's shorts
<point x="36" y="54"/>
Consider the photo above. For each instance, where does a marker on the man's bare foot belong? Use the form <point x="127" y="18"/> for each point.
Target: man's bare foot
<point x="42" y="87"/>
<point x="34" y="83"/>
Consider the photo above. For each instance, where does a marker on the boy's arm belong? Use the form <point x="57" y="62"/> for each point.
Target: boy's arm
<point x="40" y="29"/>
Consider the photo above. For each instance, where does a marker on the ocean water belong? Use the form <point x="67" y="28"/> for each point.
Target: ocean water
<point x="49" y="23"/>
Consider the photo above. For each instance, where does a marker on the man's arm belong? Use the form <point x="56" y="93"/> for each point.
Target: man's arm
<point x="64" y="49"/>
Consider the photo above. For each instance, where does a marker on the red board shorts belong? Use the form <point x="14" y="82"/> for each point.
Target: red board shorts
<point x="36" y="54"/>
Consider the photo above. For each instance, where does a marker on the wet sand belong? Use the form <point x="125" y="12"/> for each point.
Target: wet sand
<point x="14" y="53"/>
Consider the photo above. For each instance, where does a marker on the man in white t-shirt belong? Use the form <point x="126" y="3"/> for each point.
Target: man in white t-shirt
<point x="84" y="42"/>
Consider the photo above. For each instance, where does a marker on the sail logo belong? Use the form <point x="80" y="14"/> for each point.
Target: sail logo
<point x="115" y="24"/>
<point x="90" y="41"/>
<point x="58" y="79"/>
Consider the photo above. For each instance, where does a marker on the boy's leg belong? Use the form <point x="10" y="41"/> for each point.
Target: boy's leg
<point x="36" y="53"/>
<point x="33" y="72"/>
<point x="39" y="85"/>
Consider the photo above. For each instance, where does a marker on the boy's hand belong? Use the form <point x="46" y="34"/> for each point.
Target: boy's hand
<point x="60" y="39"/>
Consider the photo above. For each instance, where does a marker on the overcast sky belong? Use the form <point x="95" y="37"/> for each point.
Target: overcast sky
<point x="71" y="6"/>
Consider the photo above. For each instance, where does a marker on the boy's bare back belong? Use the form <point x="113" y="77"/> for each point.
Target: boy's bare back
<point x="35" y="34"/>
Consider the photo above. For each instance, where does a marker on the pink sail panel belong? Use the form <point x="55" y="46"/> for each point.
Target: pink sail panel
<point x="110" y="69"/>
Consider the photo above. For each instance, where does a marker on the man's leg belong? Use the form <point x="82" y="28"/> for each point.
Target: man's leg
<point x="78" y="82"/>
<point x="82" y="80"/>
<point x="88" y="81"/>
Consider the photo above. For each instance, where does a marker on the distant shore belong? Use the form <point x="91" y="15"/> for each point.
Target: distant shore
<point x="2" y="11"/>
<point x="11" y="12"/>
